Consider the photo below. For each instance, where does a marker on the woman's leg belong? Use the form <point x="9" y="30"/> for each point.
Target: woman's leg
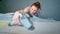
<point x="14" y="24"/>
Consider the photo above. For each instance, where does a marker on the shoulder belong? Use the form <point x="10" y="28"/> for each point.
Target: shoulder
<point x="27" y="9"/>
<point x="20" y="12"/>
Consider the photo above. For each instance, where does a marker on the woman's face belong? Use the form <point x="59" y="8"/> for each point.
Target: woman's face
<point x="33" y="10"/>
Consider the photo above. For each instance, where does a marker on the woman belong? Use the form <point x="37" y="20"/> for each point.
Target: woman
<point x="31" y="10"/>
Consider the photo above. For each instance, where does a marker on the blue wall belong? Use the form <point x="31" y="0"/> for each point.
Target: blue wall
<point x="50" y="8"/>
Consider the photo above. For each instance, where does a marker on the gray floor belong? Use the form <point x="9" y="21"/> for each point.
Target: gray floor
<point x="40" y="28"/>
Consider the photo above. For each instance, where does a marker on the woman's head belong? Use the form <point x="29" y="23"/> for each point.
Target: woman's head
<point x="35" y="7"/>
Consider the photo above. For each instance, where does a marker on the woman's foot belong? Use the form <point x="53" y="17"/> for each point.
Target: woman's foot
<point x="14" y="24"/>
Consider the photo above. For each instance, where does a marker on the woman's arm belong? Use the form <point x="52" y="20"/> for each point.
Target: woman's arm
<point x="16" y="17"/>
